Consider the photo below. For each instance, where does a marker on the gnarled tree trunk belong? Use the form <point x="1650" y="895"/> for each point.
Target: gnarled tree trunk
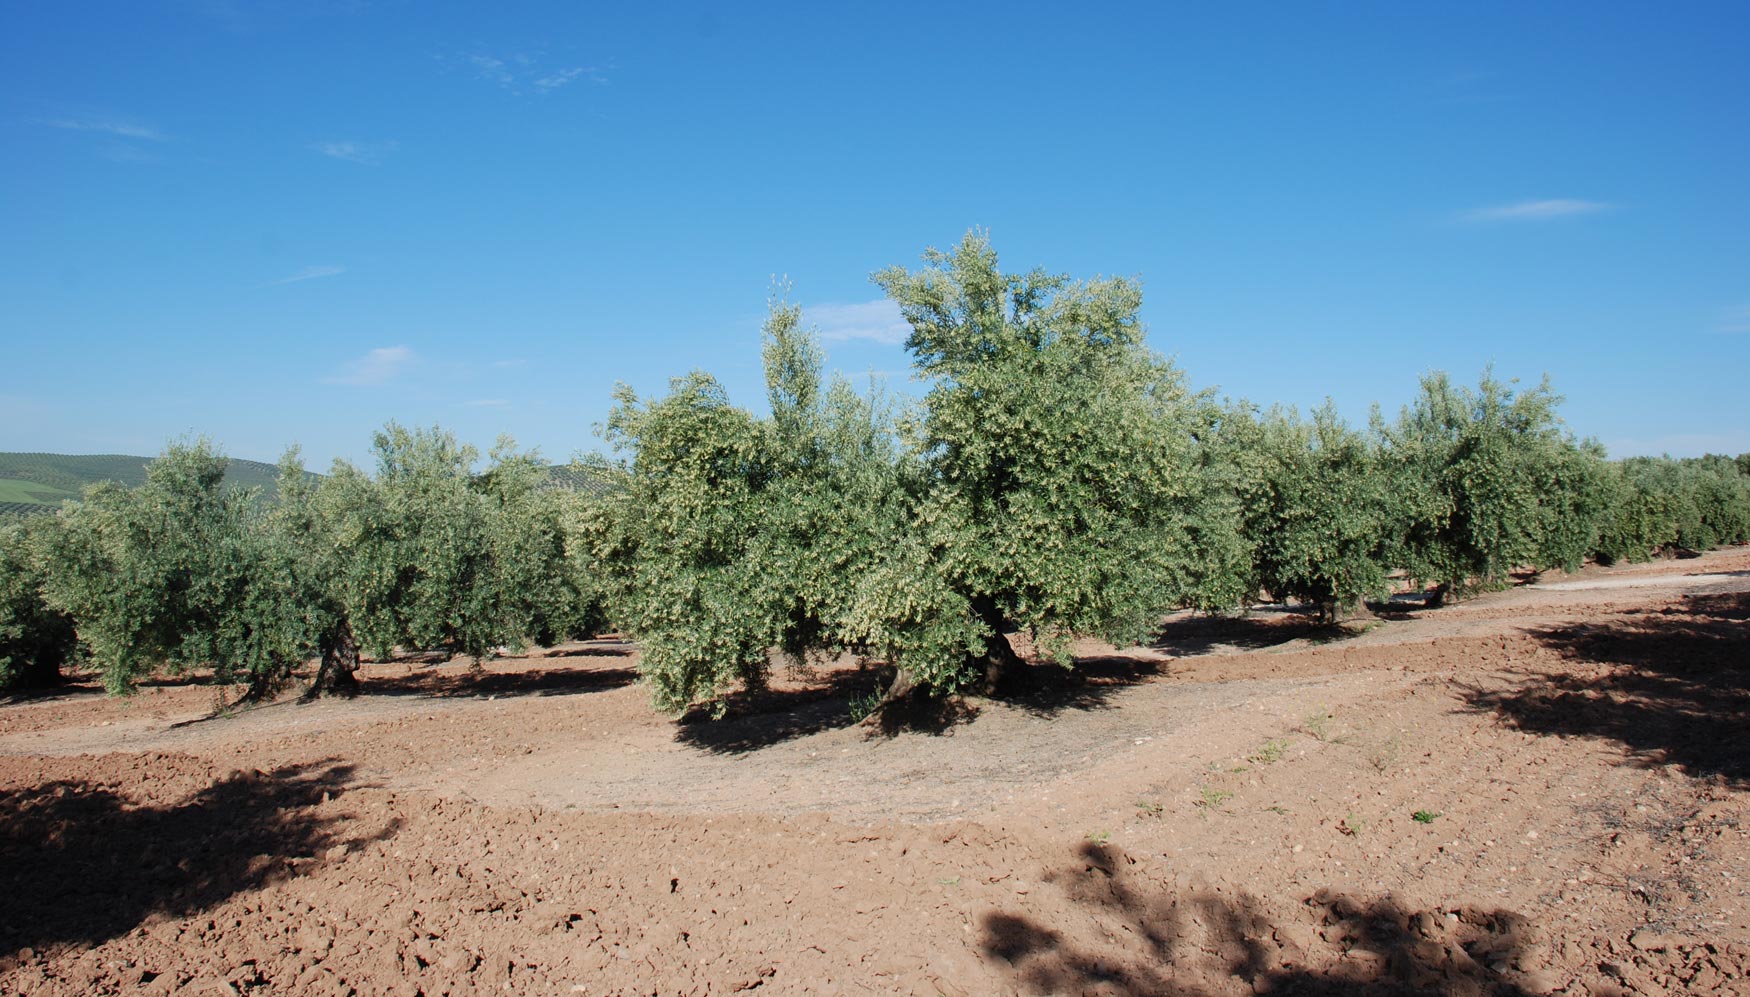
<point x="340" y="658"/>
<point x="1438" y="597"/>
<point x="999" y="655"/>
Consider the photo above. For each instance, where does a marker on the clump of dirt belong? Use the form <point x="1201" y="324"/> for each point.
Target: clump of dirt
<point x="1537" y="791"/>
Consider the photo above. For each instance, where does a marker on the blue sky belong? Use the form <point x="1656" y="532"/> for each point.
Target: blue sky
<point x="290" y="222"/>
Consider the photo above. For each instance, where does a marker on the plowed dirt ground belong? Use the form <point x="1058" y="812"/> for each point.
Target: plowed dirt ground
<point x="1541" y="790"/>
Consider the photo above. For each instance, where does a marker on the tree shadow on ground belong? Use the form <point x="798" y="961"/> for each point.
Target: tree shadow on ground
<point x="1673" y="686"/>
<point x="765" y="717"/>
<point x="1261" y="627"/>
<point x="830" y="701"/>
<point x="553" y="681"/>
<point x="81" y="862"/>
<point x="1127" y="935"/>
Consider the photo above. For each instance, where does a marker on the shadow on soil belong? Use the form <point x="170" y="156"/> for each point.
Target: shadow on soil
<point x="1160" y="941"/>
<point x="558" y="681"/>
<point x="1672" y="686"/>
<point x="757" y="720"/>
<point x="1262" y="627"/>
<point x="81" y="863"/>
<point x="769" y="717"/>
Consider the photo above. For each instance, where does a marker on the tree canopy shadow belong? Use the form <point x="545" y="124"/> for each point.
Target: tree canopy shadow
<point x="1672" y="686"/>
<point x="767" y="717"/>
<point x="81" y="863"/>
<point x="763" y="718"/>
<point x="1047" y="689"/>
<point x="560" y="680"/>
<point x="1261" y="627"/>
<point x="1134" y="937"/>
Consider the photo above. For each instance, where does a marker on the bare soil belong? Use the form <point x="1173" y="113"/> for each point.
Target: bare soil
<point x="1537" y="791"/>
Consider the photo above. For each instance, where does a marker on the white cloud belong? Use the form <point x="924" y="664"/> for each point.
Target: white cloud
<point x="553" y="81"/>
<point x="521" y="73"/>
<point x="110" y="126"/>
<point x="380" y="366"/>
<point x="1536" y="211"/>
<point x="308" y="273"/>
<point x="1734" y="321"/>
<point x="368" y="153"/>
<point x="878" y="320"/>
<point x="488" y="68"/>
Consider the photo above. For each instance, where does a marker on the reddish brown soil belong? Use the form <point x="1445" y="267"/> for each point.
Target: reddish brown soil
<point x="1229" y="812"/>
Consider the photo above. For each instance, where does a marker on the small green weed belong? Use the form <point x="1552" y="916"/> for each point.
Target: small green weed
<point x="863" y="707"/>
<point x="1210" y="797"/>
<point x="1424" y="816"/>
<point x="1318" y="724"/>
<point x="1272" y="751"/>
<point x="1100" y="837"/>
<point x="1351" y="825"/>
<point x="1146" y="808"/>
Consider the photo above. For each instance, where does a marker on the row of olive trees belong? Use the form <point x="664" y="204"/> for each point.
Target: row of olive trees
<point x="1059" y="478"/>
<point x="182" y="572"/>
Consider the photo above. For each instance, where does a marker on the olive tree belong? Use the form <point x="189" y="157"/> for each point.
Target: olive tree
<point x="737" y="534"/>
<point x="178" y="572"/>
<point x="1061" y="456"/>
<point x="1050" y="482"/>
<point x="411" y="546"/>
<point x="428" y="554"/>
<point x="36" y="640"/>
<point x="1473" y="467"/>
<point x="1321" y="516"/>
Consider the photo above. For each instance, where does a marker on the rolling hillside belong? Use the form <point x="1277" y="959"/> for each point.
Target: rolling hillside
<point x="38" y="482"/>
<point x="33" y="483"/>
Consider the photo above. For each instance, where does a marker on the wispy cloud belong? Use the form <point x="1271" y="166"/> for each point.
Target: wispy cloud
<point x="1734" y="321"/>
<point x="553" y="81"/>
<point x="308" y="273"/>
<point x="118" y="127"/>
<point x="367" y="153"/>
<point x="878" y="320"/>
<point x="378" y="367"/>
<point x="1536" y="211"/>
<point x="522" y="73"/>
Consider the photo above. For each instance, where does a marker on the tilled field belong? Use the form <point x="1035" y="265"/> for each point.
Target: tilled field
<point x="1538" y="791"/>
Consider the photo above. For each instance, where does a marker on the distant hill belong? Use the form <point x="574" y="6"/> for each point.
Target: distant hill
<point x="38" y="482"/>
<point x="578" y="478"/>
<point x="33" y="483"/>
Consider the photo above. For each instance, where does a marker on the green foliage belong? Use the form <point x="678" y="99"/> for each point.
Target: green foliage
<point x="1058" y="478"/>
<point x="1062" y="456"/>
<point x="1424" y="816"/>
<point x="1321" y="516"/>
<point x="35" y="639"/>
<point x="735" y="534"/>
<point x="1578" y="494"/>
<point x="428" y="555"/>
<point x="1660" y="503"/>
<point x="1479" y="471"/>
<point x="1050" y="482"/>
<point x="178" y="571"/>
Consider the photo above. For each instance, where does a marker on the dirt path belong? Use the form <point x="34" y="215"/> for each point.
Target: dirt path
<point x="1536" y="791"/>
